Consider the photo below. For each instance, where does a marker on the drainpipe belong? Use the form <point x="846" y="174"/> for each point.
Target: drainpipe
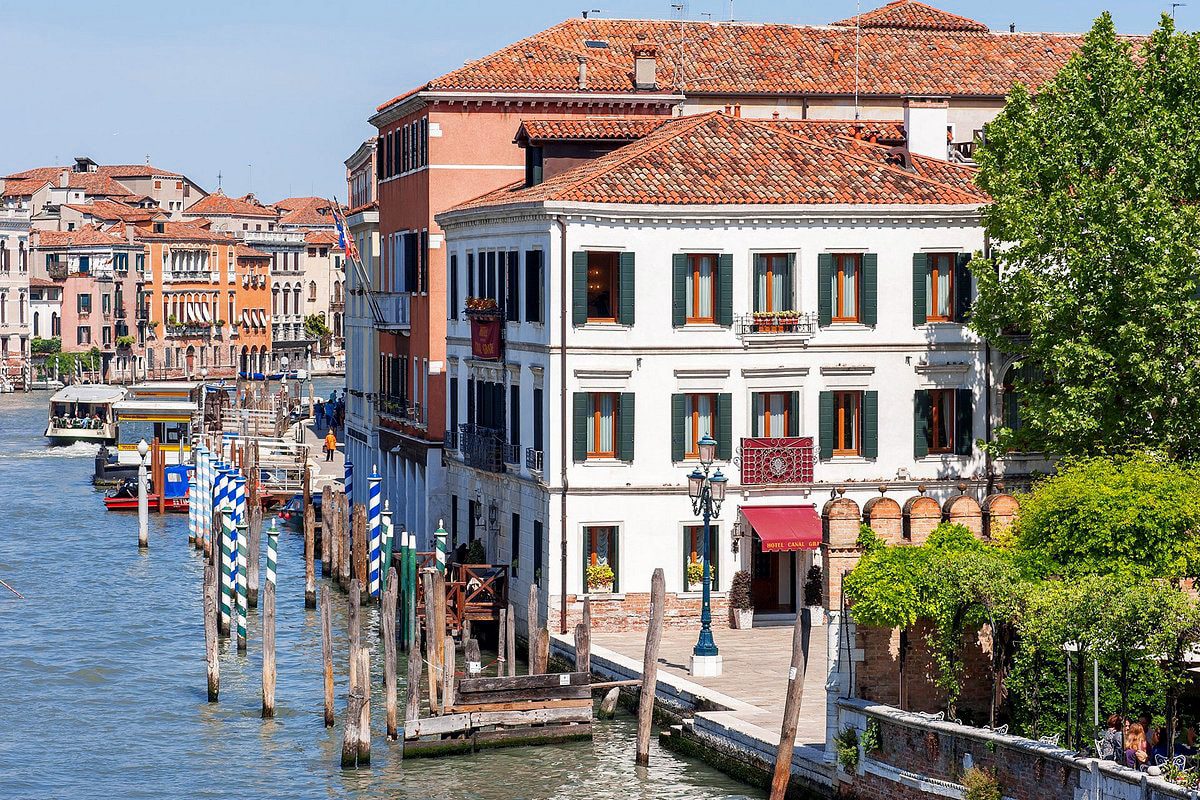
<point x="987" y="403"/>
<point x="562" y="412"/>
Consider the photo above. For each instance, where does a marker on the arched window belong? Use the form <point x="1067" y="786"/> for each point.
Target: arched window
<point x="275" y="300"/>
<point x="312" y="291"/>
<point x="36" y="331"/>
<point x="296" y="308"/>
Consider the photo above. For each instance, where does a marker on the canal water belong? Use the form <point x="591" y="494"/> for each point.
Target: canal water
<point x="102" y="676"/>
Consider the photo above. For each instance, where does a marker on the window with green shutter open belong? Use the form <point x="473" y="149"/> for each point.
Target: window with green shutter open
<point x="701" y="411"/>
<point x="701" y="289"/>
<point x="602" y="286"/>
<point x="847" y="432"/>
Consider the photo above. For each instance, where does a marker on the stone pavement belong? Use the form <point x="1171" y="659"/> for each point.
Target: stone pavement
<point x="324" y="472"/>
<point x="756" y="664"/>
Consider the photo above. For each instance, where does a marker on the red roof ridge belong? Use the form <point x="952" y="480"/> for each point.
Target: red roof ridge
<point x="891" y="167"/>
<point x="893" y="15"/>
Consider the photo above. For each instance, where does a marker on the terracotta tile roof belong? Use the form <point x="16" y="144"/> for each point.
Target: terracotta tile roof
<point x="22" y="187"/>
<point x="87" y="236"/>
<point x="944" y="55"/>
<point x="136" y="171"/>
<point x="219" y="204"/>
<point x="912" y="15"/>
<point x="399" y="98"/>
<point x="293" y="203"/>
<point x="591" y="128"/>
<point x="880" y="131"/>
<point x="41" y="282"/>
<point x="95" y="184"/>
<point x="111" y="210"/>
<point x="246" y="251"/>
<point x="184" y="231"/>
<point x="321" y="237"/>
<point x="305" y="211"/>
<point x="716" y="159"/>
<point x="960" y="176"/>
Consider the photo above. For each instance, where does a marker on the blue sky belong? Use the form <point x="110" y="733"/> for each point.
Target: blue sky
<point x="274" y="94"/>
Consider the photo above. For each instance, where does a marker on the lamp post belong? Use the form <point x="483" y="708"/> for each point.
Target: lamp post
<point x="143" y="500"/>
<point x="707" y="493"/>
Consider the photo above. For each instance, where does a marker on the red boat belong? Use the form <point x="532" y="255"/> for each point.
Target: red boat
<point x="125" y="496"/>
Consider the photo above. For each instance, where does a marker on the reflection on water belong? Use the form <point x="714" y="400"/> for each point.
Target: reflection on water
<point x="103" y="676"/>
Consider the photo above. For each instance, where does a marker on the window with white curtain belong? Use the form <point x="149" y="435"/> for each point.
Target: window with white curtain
<point x="701" y="287"/>
<point x="773" y="282"/>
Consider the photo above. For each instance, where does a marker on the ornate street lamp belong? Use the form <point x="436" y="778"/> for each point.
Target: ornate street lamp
<point x="707" y="494"/>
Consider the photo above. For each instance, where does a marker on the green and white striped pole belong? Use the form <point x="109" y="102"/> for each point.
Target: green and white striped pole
<point x="272" y="549"/>
<point x="410" y="583"/>
<point x="385" y="528"/>
<point x="402" y="589"/>
<point x="227" y="533"/>
<point x="439" y="546"/>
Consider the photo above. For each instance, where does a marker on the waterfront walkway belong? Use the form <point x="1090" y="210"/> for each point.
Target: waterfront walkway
<point x="324" y="472"/>
<point x="738" y="713"/>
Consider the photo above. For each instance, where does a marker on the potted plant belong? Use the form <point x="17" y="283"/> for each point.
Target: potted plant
<point x="741" y="605"/>
<point x="600" y="578"/>
<point x="695" y="576"/>
<point x="812" y="596"/>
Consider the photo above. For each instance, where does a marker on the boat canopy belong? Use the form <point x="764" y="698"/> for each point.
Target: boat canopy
<point x="89" y="393"/>
<point x="163" y="410"/>
<point x="176" y="478"/>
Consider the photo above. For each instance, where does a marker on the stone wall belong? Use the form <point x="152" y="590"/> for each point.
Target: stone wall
<point x="920" y="757"/>
<point x="630" y="611"/>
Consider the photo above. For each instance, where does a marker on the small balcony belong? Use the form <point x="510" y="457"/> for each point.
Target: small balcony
<point x="401" y="409"/>
<point x="189" y="331"/>
<point x="482" y="448"/>
<point x="394" y="310"/>
<point x="775" y="327"/>
<point x="533" y="460"/>
<point x="962" y="152"/>
<point x="774" y="462"/>
<point x="450" y="440"/>
<point x="512" y="454"/>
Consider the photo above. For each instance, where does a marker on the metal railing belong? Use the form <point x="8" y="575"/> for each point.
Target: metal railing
<point x="481" y="447"/>
<point x="758" y="325"/>
<point x="394" y="309"/>
<point x="783" y="460"/>
<point x="450" y="440"/>
<point x="533" y="459"/>
<point x="512" y="454"/>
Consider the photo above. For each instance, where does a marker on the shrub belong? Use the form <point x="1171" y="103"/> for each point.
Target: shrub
<point x="475" y="552"/>
<point x="812" y="586"/>
<point x="739" y="591"/>
<point x="846" y="743"/>
<point x="981" y="784"/>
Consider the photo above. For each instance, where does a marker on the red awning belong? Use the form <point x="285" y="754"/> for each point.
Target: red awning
<point x="785" y="527"/>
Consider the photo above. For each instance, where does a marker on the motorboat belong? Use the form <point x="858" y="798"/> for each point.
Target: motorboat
<point x="125" y="496"/>
<point x="84" y="413"/>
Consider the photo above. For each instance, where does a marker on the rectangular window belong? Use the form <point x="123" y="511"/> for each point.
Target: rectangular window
<point x="514" y="415"/>
<point x="701" y="288"/>
<point x="537" y="419"/>
<point x="470" y="274"/>
<point x="602" y="419"/>
<point x="773" y="282"/>
<point x="941" y="421"/>
<point x="453" y="310"/>
<point x="106" y="303"/>
<point x="602" y="279"/>
<point x="84" y="304"/>
<point x="454" y="405"/>
<point x="106" y="335"/>
<point x="600" y="549"/>
<point x="537" y="552"/>
<point x="83" y="335"/>
<point x="701" y="411"/>
<point x="516" y="544"/>
<point x="846" y="286"/>
<point x="847" y="423"/>
<point x="473" y="513"/>
<point x="454" y="540"/>
<point x="513" y="289"/>
<point x="84" y="264"/>
<point x="533" y="286"/>
<point x="693" y="553"/>
<point x="771" y="414"/>
<point x="939" y="288"/>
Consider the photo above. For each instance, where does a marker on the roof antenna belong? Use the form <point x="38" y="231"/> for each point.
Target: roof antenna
<point x="592" y="11"/>
<point x="731" y="10"/>
<point x="250" y="177"/>
<point x="218" y="181"/>
<point x="1012" y="27"/>
<point x="679" y="79"/>
<point x="1175" y="6"/>
<point x="857" y="39"/>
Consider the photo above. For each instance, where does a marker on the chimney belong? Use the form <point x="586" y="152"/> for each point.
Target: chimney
<point x="926" y="123"/>
<point x="645" y="68"/>
<point x="64" y="179"/>
<point x="582" y="73"/>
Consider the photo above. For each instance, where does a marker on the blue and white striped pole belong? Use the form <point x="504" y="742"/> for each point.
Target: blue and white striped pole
<point x="374" y="488"/>
<point x="193" y="498"/>
<point x="201" y="499"/>
<point x="272" y="549"/>
<point x="349" y="482"/>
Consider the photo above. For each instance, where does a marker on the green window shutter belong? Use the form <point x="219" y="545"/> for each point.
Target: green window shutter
<point x="614" y="557"/>
<point x="962" y="287"/>
<point x="824" y="289"/>
<point x="625" y="288"/>
<point x="793" y="426"/>
<point x="581" y="400"/>
<point x="724" y="433"/>
<point x="921" y="417"/>
<point x="870" y="425"/>
<point x="579" y="262"/>
<point x="964" y="440"/>
<point x="724" y="310"/>
<point x="870" y="288"/>
<point x="679" y="268"/>
<point x="920" y="295"/>
<point x="825" y="426"/>
<point x="677" y="422"/>
<point x="625" y="418"/>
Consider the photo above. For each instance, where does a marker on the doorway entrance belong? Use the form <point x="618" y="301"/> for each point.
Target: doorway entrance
<point x="772" y="580"/>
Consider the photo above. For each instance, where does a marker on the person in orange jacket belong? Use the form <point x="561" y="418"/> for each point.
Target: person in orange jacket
<point x="330" y="445"/>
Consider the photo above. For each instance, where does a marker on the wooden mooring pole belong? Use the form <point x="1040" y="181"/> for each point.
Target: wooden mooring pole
<point x="532" y="618"/>
<point x="310" y="579"/>
<point x="433" y="659"/>
<point x="255" y="532"/>
<point x="210" y="633"/>
<point x="388" y="632"/>
<point x="364" y="722"/>
<point x="791" y="706"/>
<point x="502" y="643"/>
<point x="353" y="629"/>
<point x="327" y="653"/>
<point x="268" y="664"/>
<point x="327" y="515"/>
<point x="510" y="641"/>
<point x="658" y="594"/>
<point x="473" y="659"/>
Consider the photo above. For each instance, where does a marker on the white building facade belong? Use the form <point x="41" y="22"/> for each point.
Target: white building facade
<point x="820" y="343"/>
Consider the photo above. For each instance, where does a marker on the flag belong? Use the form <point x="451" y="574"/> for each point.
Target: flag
<point x="345" y="241"/>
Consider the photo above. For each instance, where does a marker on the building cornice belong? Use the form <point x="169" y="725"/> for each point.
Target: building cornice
<point x="418" y="100"/>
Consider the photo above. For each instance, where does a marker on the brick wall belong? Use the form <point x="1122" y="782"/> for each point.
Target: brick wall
<point x="921" y="758"/>
<point x="633" y="612"/>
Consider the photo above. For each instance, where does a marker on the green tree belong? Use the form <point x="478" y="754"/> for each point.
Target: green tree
<point x="1093" y="281"/>
<point x="1133" y="516"/>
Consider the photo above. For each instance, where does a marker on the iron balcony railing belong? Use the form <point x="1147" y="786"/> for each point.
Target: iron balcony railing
<point x="450" y="440"/>
<point x="512" y="454"/>
<point x="783" y="460"/>
<point x="761" y="326"/>
<point x="533" y="459"/>
<point x="482" y="448"/>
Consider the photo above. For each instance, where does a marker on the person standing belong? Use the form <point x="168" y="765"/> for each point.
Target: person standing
<point x="330" y="445"/>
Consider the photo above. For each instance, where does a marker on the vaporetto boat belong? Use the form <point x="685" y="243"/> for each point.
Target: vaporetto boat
<point x="84" y="413"/>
